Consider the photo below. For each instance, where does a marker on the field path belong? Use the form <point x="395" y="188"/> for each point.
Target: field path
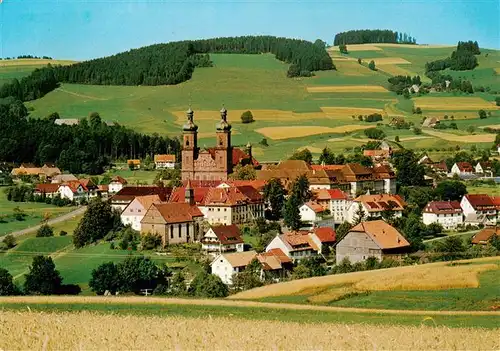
<point x="56" y="220"/>
<point x="447" y="236"/>
<point x="81" y="95"/>
<point x="216" y="302"/>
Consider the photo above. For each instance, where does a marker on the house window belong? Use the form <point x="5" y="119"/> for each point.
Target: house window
<point x="171" y="232"/>
<point x="187" y="229"/>
<point x="179" y="230"/>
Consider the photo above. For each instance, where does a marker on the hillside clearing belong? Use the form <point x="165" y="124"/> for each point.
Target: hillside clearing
<point x="33" y="62"/>
<point x="478" y="138"/>
<point x="277" y="133"/>
<point x="395" y="70"/>
<point x="453" y="103"/>
<point x="423" y="277"/>
<point x="347" y="89"/>
<point x="89" y="330"/>
<point x="388" y="61"/>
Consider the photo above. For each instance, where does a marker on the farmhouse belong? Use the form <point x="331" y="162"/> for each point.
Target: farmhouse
<point x="371" y="239"/>
<point x="462" y="168"/>
<point x="164" y="161"/>
<point x="484" y="168"/>
<point x="116" y="184"/>
<point x="275" y="265"/>
<point x="479" y="209"/>
<point x="134" y="164"/>
<point x="73" y="191"/>
<point x="48" y="170"/>
<point x="378" y="156"/>
<point x="222" y="238"/>
<point x="175" y="223"/>
<point x="134" y="213"/>
<point x="62" y="178"/>
<point x="335" y="201"/>
<point x="311" y="212"/>
<point x="213" y="163"/>
<point x="126" y="195"/>
<point x="226" y="265"/>
<point x="485" y="235"/>
<point x="47" y="190"/>
<point x="447" y="213"/>
<point x="374" y="206"/>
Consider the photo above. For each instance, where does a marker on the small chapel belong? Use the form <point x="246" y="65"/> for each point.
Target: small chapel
<point x="215" y="163"/>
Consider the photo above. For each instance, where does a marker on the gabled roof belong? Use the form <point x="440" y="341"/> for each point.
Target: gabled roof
<point x="239" y="259"/>
<point x="443" y="207"/>
<point x="441" y="166"/>
<point x="496" y="201"/>
<point x="485" y="235"/>
<point x="134" y="162"/>
<point x="164" y="158"/>
<point x="87" y="183"/>
<point x="147" y="200"/>
<point x="325" y="234"/>
<point x="179" y="194"/>
<point x="384" y="235"/>
<point x="480" y="201"/>
<point x="202" y="183"/>
<point x="177" y="212"/>
<point x="129" y="193"/>
<point x="330" y="194"/>
<point x="381" y="202"/>
<point x="228" y="234"/>
<point x="485" y="165"/>
<point x="464" y="166"/>
<point x="46" y="188"/>
<point x="60" y="178"/>
<point x="317" y="208"/>
<point x="273" y="259"/>
<point x="118" y="179"/>
<point x="231" y="196"/>
<point x="74" y="185"/>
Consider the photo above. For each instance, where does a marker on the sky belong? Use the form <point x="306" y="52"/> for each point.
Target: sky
<point x="85" y="29"/>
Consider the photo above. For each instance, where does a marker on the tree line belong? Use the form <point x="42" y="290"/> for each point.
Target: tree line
<point x="365" y="36"/>
<point x="167" y="64"/>
<point x="87" y="147"/>
<point x="461" y="59"/>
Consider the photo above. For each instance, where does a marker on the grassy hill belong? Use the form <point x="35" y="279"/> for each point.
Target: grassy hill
<point x="467" y="285"/>
<point x="319" y="108"/>
<point x="19" y="68"/>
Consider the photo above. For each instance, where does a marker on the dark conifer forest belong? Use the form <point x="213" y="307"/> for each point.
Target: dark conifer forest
<point x="367" y="36"/>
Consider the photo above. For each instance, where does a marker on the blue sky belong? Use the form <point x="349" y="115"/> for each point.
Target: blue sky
<point x="78" y="29"/>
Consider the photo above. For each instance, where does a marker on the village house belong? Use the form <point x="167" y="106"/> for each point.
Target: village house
<point x="126" y="195"/>
<point x="276" y="266"/>
<point x="226" y="265"/>
<point x="232" y="205"/>
<point x="447" y="213"/>
<point x="47" y="190"/>
<point x="311" y="212"/>
<point x="371" y="239"/>
<point x="47" y="171"/>
<point x="134" y="213"/>
<point x="62" y="178"/>
<point x="164" y="161"/>
<point x="484" y="168"/>
<point x="335" y="201"/>
<point x="378" y="156"/>
<point x="479" y="209"/>
<point x="439" y="168"/>
<point x="462" y="168"/>
<point x="222" y="238"/>
<point x="175" y="223"/>
<point x="73" y="191"/>
<point x="302" y="244"/>
<point x="484" y="236"/>
<point x="134" y="164"/>
<point x="374" y="206"/>
<point x="117" y="183"/>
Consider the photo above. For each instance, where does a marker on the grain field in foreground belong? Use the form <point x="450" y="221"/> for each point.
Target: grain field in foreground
<point x="86" y="330"/>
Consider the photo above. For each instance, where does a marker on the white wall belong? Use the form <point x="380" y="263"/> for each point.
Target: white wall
<point x="307" y="214"/>
<point x="277" y="243"/>
<point x="448" y="221"/>
<point x="115" y="187"/>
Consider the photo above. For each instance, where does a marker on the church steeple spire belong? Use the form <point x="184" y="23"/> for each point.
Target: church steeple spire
<point x="223" y="124"/>
<point x="189" y="126"/>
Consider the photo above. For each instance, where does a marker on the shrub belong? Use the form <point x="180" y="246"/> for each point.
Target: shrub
<point x="150" y="241"/>
<point x="375" y="133"/>
<point x="63" y="233"/>
<point x="371" y="65"/>
<point x="44" y="231"/>
<point x="9" y="241"/>
<point x="7" y="286"/>
<point x="247" y="117"/>
<point x="263" y="142"/>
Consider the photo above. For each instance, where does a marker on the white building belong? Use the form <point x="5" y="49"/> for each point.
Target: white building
<point x="447" y="213"/>
<point x="164" y="161"/>
<point x="374" y="206"/>
<point x="311" y="212"/>
<point x="226" y="265"/>
<point x="484" y="168"/>
<point x="73" y="191"/>
<point x="334" y="200"/>
<point x="222" y="238"/>
<point x="116" y="184"/>
<point x="134" y="213"/>
<point x="462" y="168"/>
<point x="479" y="209"/>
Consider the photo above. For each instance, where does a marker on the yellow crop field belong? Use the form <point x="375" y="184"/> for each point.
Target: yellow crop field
<point x="411" y="46"/>
<point x="351" y="68"/>
<point x="453" y="103"/>
<point x="34" y="62"/>
<point x="313" y="149"/>
<point x="423" y="277"/>
<point x="347" y="89"/>
<point x="349" y="111"/>
<point x="388" y="60"/>
<point x="477" y="138"/>
<point x="395" y="70"/>
<point x="455" y="114"/>
<point x="277" y="133"/>
<point x="94" y="331"/>
<point x="259" y="115"/>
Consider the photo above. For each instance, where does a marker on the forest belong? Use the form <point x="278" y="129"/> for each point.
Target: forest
<point x="462" y="59"/>
<point x="366" y="36"/>
<point x="167" y="64"/>
<point x="87" y="147"/>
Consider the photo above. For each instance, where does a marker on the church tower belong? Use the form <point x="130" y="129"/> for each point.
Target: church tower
<point x="189" y="146"/>
<point x="223" y="149"/>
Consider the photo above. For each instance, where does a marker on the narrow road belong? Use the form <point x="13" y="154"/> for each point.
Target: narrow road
<point x="53" y="221"/>
<point x="454" y="234"/>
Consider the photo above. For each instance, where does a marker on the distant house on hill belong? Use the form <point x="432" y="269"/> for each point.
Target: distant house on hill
<point x="371" y="239"/>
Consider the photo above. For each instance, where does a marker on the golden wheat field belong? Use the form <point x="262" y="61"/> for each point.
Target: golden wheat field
<point x="455" y="114"/>
<point x="395" y="70"/>
<point x="34" y="62"/>
<point x="424" y="277"/>
<point x="346" y="89"/>
<point x="86" y="330"/>
<point x="453" y="103"/>
<point x="351" y="67"/>
<point x="350" y="111"/>
<point x="277" y="133"/>
<point x="477" y="138"/>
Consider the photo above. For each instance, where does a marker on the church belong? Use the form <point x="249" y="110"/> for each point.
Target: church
<point x="215" y="163"/>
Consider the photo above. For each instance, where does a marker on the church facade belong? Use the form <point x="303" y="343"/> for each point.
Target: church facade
<point x="214" y="163"/>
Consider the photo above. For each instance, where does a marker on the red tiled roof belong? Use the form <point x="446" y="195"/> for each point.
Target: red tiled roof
<point x="480" y="201"/>
<point x="380" y="202"/>
<point x="178" y="212"/>
<point x="386" y="236"/>
<point x="103" y="187"/>
<point x="317" y="208"/>
<point x="250" y="192"/>
<point x="238" y="155"/>
<point x="443" y="207"/>
<point x="464" y="166"/>
<point x="280" y="255"/>
<point x="164" y="158"/>
<point x="202" y="183"/>
<point x="496" y="201"/>
<point x="228" y="234"/>
<point x="273" y="259"/>
<point x="325" y="234"/>
<point x="119" y="179"/>
<point x="258" y="184"/>
<point x="439" y="166"/>
<point x="129" y="193"/>
<point x="178" y="194"/>
<point x="484" y="236"/>
<point x="47" y="188"/>
<point x="231" y="196"/>
<point x="376" y="153"/>
<point x="74" y="185"/>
